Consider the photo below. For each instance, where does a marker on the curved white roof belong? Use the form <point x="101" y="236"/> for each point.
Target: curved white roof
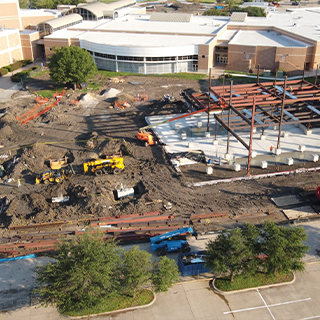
<point x="63" y="21"/>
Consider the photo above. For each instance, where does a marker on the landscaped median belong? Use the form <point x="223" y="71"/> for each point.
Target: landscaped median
<point x="142" y="299"/>
<point x="247" y="282"/>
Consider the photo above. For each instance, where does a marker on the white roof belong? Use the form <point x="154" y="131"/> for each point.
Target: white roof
<point x="130" y="39"/>
<point x="203" y="26"/>
<point x="265" y="38"/>
<point x="302" y="22"/>
<point x="39" y="13"/>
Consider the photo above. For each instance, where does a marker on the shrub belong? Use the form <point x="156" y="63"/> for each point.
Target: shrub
<point x="3" y="71"/>
<point x="17" y="77"/>
<point x="17" y="65"/>
<point x="9" y="68"/>
<point x="26" y="62"/>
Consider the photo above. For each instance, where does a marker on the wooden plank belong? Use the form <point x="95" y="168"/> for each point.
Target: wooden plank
<point x="299" y="213"/>
<point x="285" y="201"/>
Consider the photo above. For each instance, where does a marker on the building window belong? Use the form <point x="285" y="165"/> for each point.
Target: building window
<point x="203" y="56"/>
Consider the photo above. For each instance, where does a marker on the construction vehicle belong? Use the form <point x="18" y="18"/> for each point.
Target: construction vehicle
<point x="54" y="175"/>
<point x="100" y="166"/>
<point x="171" y="241"/>
<point x="59" y="170"/>
<point x="318" y="192"/>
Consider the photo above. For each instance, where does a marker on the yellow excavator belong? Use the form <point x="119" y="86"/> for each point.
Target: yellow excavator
<point x="100" y="166"/>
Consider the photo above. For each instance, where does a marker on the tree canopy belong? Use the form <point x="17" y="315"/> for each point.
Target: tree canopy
<point x="88" y="270"/>
<point x="48" y="4"/>
<point x="71" y="65"/>
<point x="271" y="249"/>
<point x="252" y="11"/>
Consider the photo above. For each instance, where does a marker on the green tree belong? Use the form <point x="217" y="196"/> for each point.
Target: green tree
<point x="137" y="269"/>
<point x="71" y="65"/>
<point x="87" y="269"/>
<point x="24" y="4"/>
<point x="284" y="248"/>
<point x="230" y="3"/>
<point x="252" y="11"/>
<point x="215" y="12"/>
<point x="166" y="272"/>
<point x="229" y="253"/>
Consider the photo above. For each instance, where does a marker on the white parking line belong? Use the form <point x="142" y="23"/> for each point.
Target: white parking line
<point x="266" y="305"/>
<point x="272" y="305"/>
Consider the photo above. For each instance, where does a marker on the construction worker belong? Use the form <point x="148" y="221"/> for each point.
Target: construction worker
<point x="271" y="149"/>
<point x="19" y="183"/>
<point x="2" y="171"/>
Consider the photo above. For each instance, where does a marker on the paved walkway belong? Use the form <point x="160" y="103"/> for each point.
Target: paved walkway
<point x="7" y="87"/>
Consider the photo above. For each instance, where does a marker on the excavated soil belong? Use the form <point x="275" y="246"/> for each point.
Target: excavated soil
<point x="94" y="128"/>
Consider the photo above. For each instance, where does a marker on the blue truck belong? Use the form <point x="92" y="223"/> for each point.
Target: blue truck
<point x="171" y="241"/>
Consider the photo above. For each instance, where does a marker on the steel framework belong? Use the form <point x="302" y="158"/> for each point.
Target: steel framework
<point x="266" y="104"/>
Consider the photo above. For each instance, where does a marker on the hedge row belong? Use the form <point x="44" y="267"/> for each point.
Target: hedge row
<point x="14" y="66"/>
<point x="17" y="77"/>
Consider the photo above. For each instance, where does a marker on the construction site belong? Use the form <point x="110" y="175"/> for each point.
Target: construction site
<point x="145" y="155"/>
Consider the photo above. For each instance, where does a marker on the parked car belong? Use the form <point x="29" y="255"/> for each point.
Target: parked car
<point x="295" y="3"/>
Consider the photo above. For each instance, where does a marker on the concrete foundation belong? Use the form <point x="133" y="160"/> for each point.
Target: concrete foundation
<point x="289" y="161"/>
<point x="237" y="167"/>
<point x="209" y="170"/>
<point x="302" y="147"/>
<point x="264" y="164"/>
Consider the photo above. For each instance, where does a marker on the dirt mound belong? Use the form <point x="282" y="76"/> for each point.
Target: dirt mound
<point x="37" y="157"/>
<point x="110" y="93"/>
<point x="6" y="132"/>
<point x="126" y="97"/>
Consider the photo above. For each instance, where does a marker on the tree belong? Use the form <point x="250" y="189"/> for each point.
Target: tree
<point x="229" y="253"/>
<point x="89" y="270"/>
<point x="165" y="274"/>
<point x="24" y="4"/>
<point x="284" y="248"/>
<point x="215" y="12"/>
<point x="252" y="11"/>
<point x="86" y="270"/>
<point x="230" y="3"/>
<point x="137" y="269"/>
<point x="71" y="65"/>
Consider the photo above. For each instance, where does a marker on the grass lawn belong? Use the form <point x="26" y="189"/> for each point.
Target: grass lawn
<point x="141" y="298"/>
<point x="246" y="281"/>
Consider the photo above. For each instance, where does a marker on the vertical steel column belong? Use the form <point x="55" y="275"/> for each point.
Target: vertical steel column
<point x="208" y="124"/>
<point x="315" y="80"/>
<point x="229" y="116"/>
<point x="282" y="109"/>
<point x="251" y="135"/>
<point x="258" y="73"/>
<point x="275" y="80"/>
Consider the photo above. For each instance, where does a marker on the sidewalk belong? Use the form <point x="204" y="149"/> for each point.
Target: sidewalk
<point x="7" y="87"/>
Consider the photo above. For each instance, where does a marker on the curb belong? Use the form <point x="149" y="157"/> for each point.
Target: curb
<point x="115" y="311"/>
<point x="211" y="284"/>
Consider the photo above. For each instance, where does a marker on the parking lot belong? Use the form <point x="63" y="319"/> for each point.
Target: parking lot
<point x="192" y="299"/>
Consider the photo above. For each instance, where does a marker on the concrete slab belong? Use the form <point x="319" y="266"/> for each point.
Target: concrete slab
<point x="196" y="137"/>
<point x="297" y="213"/>
<point x="285" y="201"/>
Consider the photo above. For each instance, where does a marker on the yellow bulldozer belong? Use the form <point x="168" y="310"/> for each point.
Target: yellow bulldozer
<point x="103" y="166"/>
